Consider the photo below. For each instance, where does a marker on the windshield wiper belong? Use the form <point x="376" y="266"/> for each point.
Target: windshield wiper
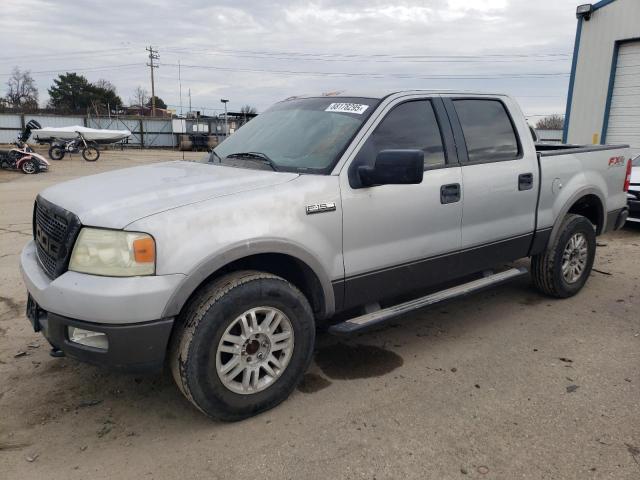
<point x="255" y="155"/>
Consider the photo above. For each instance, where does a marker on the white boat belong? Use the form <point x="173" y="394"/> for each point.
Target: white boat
<point x="68" y="133"/>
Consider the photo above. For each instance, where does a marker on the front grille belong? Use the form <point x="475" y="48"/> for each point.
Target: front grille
<point x="54" y="232"/>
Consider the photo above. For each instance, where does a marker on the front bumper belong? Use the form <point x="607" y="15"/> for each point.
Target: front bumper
<point x="139" y="347"/>
<point x="128" y="310"/>
<point x="111" y="300"/>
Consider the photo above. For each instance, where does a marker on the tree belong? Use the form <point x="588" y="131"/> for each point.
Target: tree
<point x="140" y="97"/>
<point x="159" y="103"/>
<point x="249" y="110"/>
<point x="104" y="96"/>
<point x="552" y="122"/>
<point x="105" y="85"/>
<point x="70" y="93"/>
<point x="73" y="93"/>
<point x="22" y="91"/>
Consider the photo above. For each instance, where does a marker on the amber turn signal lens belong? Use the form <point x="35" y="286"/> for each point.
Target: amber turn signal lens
<point x="144" y="250"/>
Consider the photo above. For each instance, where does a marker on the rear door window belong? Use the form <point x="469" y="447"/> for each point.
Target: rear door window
<point x="488" y="131"/>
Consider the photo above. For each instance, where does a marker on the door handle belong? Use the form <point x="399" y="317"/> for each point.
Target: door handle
<point x="450" y="193"/>
<point x="525" y="181"/>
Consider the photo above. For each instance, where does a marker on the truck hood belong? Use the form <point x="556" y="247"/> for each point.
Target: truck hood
<point x="117" y="198"/>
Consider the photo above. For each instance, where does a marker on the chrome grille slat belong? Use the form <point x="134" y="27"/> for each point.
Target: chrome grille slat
<point x="57" y="228"/>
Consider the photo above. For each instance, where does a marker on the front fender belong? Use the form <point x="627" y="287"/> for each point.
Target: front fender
<point x="215" y="262"/>
<point x="32" y="156"/>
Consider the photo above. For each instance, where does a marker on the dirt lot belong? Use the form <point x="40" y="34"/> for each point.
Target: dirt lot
<point x="505" y="384"/>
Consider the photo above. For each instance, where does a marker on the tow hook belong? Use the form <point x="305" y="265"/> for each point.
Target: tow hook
<point x="56" y="352"/>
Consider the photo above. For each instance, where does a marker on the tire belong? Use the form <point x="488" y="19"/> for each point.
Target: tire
<point x="91" y="154"/>
<point x="196" y="357"/>
<point x="547" y="267"/>
<point x="29" y="167"/>
<point x="56" y="152"/>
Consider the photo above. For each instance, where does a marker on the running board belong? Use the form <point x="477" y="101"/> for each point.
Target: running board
<point x="380" y="316"/>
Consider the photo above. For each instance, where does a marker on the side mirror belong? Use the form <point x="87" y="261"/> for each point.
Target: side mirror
<point x="394" y="167"/>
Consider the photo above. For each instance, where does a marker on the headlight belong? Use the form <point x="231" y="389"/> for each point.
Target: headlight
<point x="113" y="253"/>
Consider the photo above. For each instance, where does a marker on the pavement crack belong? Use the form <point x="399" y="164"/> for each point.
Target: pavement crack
<point x="635" y="452"/>
<point x="8" y="230"/>
<point x="11" y="303"/>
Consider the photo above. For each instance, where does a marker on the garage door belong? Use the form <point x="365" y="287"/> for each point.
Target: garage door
<point x="624" y="115"/>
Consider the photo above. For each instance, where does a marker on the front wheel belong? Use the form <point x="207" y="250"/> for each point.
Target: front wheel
<point x="29" y="167"/>
<point x="562" y="270"/>
<point x="91" y="154"/>
<point x="243" y="344"/>
<point x="56" y="152"/>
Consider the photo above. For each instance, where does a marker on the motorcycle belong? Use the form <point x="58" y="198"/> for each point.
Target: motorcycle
<point x="59" y="149"/>
<point x="22" y="157"/>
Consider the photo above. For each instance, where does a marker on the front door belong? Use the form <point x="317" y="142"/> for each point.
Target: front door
<point x="396" y="237"/>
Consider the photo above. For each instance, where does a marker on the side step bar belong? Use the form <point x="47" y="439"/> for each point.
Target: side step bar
<point x="374" y="318"/>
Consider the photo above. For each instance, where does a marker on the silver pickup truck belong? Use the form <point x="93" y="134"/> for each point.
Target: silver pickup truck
<point x="369" y="206"/>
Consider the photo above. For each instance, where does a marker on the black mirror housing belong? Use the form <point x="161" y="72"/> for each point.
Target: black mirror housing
<point x="394" y="167"/>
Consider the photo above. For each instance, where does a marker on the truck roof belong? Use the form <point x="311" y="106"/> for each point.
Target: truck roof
<point x="379" y="93"/>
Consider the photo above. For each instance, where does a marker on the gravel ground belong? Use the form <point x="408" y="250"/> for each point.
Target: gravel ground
<point x="505" y="384"/>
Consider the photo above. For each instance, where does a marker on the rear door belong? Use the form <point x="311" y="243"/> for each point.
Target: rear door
<point x="499" y="176"/>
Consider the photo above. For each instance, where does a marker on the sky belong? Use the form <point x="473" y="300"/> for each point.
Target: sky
<point x="260" y="52"/>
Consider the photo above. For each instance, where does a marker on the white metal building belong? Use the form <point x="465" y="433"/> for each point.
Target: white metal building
<point x="603" y="104"/>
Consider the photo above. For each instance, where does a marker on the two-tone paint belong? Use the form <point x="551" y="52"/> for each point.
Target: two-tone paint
<point x="358" y="245"/>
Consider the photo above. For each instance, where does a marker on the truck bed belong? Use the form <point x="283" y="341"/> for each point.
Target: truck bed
<point x="592" y="170"/>
<point x="551" y="149"/>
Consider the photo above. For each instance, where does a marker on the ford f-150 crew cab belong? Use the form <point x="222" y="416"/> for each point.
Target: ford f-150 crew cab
<point x="365" y="205"/>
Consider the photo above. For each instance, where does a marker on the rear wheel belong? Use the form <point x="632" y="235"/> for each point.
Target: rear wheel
<point x="56" y="152"/>
<point x="91" y="154"/>
<point x="562" y="270"/>
<point x="244" y="344"/>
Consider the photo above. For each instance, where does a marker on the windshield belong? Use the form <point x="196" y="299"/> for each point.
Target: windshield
<point x="636" y="161"/>
<point x="302" y="135"/>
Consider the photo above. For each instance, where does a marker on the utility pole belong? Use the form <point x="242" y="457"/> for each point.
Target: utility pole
<point x="180" y="87"/>
<point x="190" y="101"/>
<point x="226" y="123"/>
<point x="153" y="55"/>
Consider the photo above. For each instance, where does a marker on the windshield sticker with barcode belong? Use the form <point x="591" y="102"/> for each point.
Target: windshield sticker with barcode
<point x="347" y="108"/>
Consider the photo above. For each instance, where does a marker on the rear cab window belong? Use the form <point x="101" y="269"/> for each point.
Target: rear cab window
<point x="488" y="131"/>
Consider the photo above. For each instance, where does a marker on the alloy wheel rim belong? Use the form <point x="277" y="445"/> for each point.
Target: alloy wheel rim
<point x="574" y="258"/>
<point x="29" y="168"/>
<point x="254" y="350"/>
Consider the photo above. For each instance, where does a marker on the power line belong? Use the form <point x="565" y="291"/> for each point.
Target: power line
<point x="379" y="75"/>
<point x="82" y="69"/>
<point x="398" y="59"/>
<point x="116" y="51"/>
<point x="376" y="55"/>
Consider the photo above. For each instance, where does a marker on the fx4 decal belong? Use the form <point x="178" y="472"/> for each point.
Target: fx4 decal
<point x="616" y="161"/>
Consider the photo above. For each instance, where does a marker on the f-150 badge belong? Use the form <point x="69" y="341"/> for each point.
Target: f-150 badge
<point x="321" y="207"/>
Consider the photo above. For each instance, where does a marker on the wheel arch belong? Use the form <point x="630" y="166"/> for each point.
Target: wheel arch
<point x="588" y="203"/>
<point x="287" y="261"/>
